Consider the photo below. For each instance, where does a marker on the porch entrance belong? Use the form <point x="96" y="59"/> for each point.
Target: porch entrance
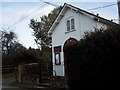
<point x="67" y="42"/>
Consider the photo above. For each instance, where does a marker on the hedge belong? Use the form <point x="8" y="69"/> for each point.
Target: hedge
<point x="94" y="61"/>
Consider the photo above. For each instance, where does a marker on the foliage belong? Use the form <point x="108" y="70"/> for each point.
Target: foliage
<point x="41" y="28"/>
<point x="46" y="54"/>
<point x="10" y="48"/>
<point x="15" y="83"/>
<point x="7" y="75"/>
<point x="42" y="38"/>
<point x="8" y="39"/>
<point x="29" y="56"/>
<point x="93" y="62"/>
<point x="15" y="53"/>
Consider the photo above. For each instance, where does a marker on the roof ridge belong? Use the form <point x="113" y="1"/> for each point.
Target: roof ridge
<point x="90" y="13"/>
<point x="95" y="17"/>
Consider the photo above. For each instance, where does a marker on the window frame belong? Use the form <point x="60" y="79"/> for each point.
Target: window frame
<point x="72" y="24"/>
<point x="57" y="50"/>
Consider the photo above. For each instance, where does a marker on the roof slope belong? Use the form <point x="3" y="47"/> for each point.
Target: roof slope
<point x="78" y="10"/>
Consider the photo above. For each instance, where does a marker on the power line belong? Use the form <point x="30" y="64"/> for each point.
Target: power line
<point x="24" y="17"/>
<point x="55" y="5"/>
<point x="32" y="13"/>
<point x="116" y="19"/>
<point x="102" y="7"/>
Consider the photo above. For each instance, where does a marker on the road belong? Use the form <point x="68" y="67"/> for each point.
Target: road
<point x="8" y="81"/>
<point x="6" y="84"/>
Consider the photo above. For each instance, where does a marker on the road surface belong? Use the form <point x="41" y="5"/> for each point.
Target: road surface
<point x="6" y="84"/>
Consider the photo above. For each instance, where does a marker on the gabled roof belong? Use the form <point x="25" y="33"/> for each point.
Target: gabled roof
<point x="78" y="10"/>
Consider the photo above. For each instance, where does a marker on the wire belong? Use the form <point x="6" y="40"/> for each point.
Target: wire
<point x="55" y="5"/>
<point x="101" y="7"/>
<point x="32" y="13"/>
<point x="24" y="17"/>
<point x="116" y="19"/>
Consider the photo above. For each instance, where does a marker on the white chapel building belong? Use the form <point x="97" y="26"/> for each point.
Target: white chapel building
<point x="69" y="26"/>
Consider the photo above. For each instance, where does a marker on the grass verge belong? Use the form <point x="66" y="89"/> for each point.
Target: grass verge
<point x="14" y="84"/>
<point x="7" y="75"/>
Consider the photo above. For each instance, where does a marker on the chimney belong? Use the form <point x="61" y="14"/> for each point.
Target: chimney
<point x="118" y="1"/>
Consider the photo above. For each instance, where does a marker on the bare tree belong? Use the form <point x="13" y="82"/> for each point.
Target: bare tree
<point x="8" y="38"/>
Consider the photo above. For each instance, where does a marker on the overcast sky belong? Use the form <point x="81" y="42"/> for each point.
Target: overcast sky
<point x="15" y="11"/>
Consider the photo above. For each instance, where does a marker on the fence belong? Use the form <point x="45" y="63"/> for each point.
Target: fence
<point x="9" y="69"/>
<point x="33" y="73"/>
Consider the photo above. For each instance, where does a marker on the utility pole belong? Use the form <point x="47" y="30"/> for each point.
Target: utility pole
<point x="118" y="2"/>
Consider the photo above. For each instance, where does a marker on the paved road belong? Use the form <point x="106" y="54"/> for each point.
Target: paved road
<point x="8" y="81"/>
<point x="6" y="84"/>
<point x="0" y="84"/>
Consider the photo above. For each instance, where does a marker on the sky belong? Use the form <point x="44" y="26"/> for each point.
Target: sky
<point x="12" y="11"/>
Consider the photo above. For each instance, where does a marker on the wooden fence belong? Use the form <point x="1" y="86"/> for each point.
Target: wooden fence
<point x="9" y="69"/>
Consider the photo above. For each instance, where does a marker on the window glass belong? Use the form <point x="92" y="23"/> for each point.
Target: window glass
<point x="72" y="23"/>
<point x="57" y="58"/>
<point x="68" y="25"/>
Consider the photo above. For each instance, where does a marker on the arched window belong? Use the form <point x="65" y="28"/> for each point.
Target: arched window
<point x="72" y="23"/>
<point x="68" y="25"/>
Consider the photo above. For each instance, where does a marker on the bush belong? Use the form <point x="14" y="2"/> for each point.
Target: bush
<point x="93" y="62"/>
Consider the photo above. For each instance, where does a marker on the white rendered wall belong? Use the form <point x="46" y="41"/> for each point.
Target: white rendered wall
<point x="82" y="24"/>
<point x="59" y="37"/>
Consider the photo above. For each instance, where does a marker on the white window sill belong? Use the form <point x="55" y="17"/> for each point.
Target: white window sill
<point x="70" y="31"/>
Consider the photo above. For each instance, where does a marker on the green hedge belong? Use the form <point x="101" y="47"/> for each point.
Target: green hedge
<point x="94" y="62"/>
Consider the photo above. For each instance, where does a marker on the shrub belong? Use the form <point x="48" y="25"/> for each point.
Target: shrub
<point x="94" y="62"/>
